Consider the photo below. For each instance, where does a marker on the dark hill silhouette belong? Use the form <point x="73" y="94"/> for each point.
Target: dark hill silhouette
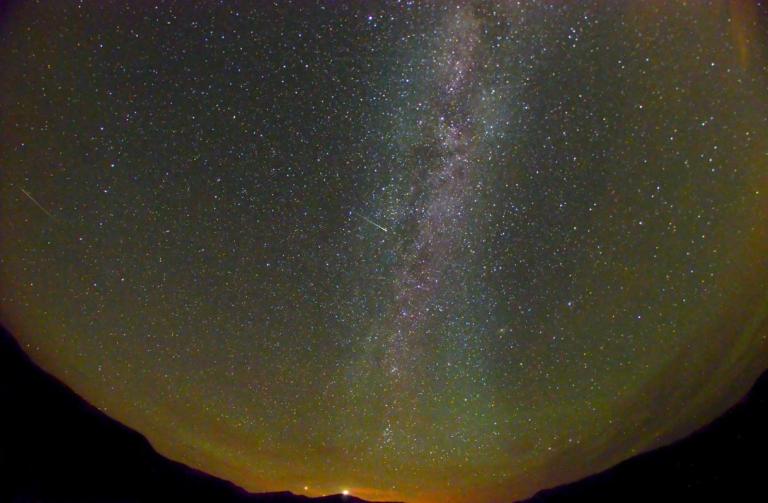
<point x="56" y="448"/>
<point x="726" y="461"/>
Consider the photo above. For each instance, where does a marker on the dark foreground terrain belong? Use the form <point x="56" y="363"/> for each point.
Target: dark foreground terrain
<point x="725" y="461"/>
<point x="56" y="448"/>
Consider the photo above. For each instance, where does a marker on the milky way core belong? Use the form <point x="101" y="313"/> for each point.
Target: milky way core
<point x="426" y="251"/>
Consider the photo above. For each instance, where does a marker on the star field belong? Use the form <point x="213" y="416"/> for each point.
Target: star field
<point x="434" y="251"/>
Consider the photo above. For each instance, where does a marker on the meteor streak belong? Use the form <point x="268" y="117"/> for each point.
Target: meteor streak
<point x="36" y="203"/>
<point x="372" y="222"/>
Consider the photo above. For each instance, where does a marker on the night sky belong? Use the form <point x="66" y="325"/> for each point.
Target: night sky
<point x="425" y="251"/>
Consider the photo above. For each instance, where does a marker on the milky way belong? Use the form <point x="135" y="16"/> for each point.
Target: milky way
<point x="441" y="252"/>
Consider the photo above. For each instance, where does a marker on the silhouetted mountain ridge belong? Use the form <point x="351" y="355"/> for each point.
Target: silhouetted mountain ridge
<point x="57" y="448"/>
<point x="725" y="460"/>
